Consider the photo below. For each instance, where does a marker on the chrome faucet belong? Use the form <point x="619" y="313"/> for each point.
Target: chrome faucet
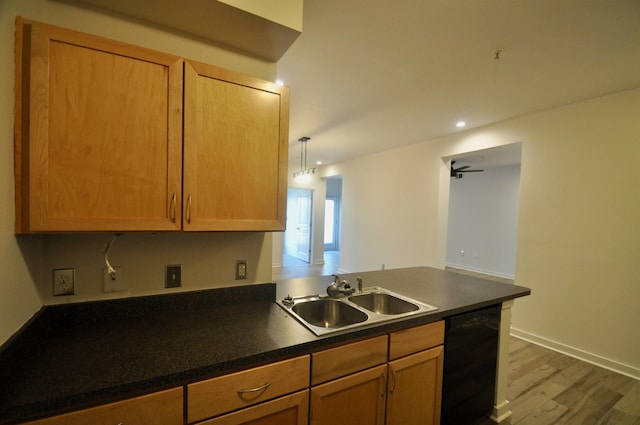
<point x="339" y="288"/>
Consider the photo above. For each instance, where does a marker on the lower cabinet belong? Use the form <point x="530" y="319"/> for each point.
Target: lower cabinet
<point x="355" y="399"/>
<point x="260" y="392"/>
<point x="405" y="387"/>
<point x="161" y="408"/>
<point x="415" y="388"/>
<point x="289" y="410"/>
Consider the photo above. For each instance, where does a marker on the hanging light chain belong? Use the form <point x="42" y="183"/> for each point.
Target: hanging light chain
<point x="304" y="171"/>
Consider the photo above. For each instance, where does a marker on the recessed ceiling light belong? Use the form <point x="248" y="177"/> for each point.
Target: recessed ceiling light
<point x="279" y="83"/>
<point x="318" y="162"/>
<point x="460" y="124"/>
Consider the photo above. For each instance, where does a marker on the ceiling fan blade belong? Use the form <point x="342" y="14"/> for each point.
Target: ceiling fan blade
<point x="471" y="171"/>
<point x="462" y="168"/>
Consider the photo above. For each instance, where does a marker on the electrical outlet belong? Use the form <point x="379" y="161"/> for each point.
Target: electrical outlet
<point x="113" y="283"/>
<point x="64" y="281"/>
<point x="173" y="277"/>
<point x="241" y="269"/>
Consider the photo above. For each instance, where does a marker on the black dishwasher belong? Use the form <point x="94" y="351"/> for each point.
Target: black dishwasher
<point x="470" y="354"/>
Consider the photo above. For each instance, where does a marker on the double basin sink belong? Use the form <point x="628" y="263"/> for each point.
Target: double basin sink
<point x="322" y="314"/>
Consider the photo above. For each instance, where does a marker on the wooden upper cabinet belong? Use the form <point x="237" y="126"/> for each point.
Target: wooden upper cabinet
<point x="235" y="151"/>
<point x="98" y="133"/>
<point x="99" y="143"/>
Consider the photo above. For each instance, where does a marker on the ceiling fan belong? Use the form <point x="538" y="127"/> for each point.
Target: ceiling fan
<point x="457" y="172"/>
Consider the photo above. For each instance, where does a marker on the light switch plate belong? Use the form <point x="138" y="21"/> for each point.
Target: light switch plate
<point x="64" y="281"/>
<point x="173" y="277"/>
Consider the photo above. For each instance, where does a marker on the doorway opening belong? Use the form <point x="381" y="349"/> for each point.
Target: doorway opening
<point x="330" y="224"/>
<point x="333" y="216"/>
<point x="297" y="237"/>
<point x="483" y="211"/>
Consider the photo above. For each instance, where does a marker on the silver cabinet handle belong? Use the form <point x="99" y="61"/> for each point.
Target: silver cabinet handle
<point x="383" y="376"/>
<point x="189" y="209"/>
<point x="254" y="390"/>
<point x="393" y="377"/>
<point x="172" y="215"/>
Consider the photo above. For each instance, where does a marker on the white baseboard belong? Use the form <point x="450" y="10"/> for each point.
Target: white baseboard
<point x="274" y="265"/>
<point x="479" y="270"/>
<point x="318" y="262"/>
<point x="621" y="368"/>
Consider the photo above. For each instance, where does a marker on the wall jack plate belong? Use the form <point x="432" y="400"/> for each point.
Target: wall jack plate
<point x="64" y="281"/>
<point x="113" y="283"/>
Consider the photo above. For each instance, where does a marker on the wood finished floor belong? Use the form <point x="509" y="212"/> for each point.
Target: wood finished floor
<point x="544" y="387"/>
<point x="293" y="268"/>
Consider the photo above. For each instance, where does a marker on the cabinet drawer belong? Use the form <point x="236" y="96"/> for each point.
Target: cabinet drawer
<point x="230" y="392"/>
<point x="409" y="341"/>
<point x="162" y="408"/>
<point x="292" y="409"/>
<point x="336" y="362"/>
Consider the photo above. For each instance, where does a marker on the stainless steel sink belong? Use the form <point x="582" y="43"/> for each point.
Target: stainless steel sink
<point x="383" y="303"/>
<point x="322" y="314"/>
<point x="329" y="313"/>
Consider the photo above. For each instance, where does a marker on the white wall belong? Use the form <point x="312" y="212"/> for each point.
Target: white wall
<point x="483" y="221"/>
<point x="578" y="227"/>
<point x="386" y="210"/>
<point x="208" y="258"/>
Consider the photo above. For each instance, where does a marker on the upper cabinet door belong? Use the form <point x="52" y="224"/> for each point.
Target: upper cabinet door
<point x="98" y="134"/>
<point x="235" y="151"/>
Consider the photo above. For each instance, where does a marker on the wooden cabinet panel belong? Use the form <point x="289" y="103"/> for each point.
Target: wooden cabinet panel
<point x="162" y="408"/>
<point x="235" y="151"/>
<point x="415" y="388"/>
<point x="216" y="396"/>
<point x="289" y="410"/>
<point x="416" y="339"/>
<point x="340" y="361"/>
<point x="99" y="138"/>
<point x="355" y="399"/>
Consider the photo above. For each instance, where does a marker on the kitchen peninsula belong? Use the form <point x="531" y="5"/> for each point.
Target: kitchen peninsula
<point x="75" y="356"/>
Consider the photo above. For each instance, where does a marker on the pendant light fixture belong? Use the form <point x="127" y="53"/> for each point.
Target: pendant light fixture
<point x="304" y="175"/>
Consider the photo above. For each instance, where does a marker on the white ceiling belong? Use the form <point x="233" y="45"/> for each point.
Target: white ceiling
<point x="371" y="75"/>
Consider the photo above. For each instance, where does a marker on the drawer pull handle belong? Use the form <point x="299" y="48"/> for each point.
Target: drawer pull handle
<point x="254" y="390"/>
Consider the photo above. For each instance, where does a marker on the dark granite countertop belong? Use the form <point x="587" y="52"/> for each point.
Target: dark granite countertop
<point x="78" y="355"/>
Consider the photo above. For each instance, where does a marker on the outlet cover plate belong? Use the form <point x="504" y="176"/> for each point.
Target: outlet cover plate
<point x="241" y="269"/>
<point x="64" y="281"/>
